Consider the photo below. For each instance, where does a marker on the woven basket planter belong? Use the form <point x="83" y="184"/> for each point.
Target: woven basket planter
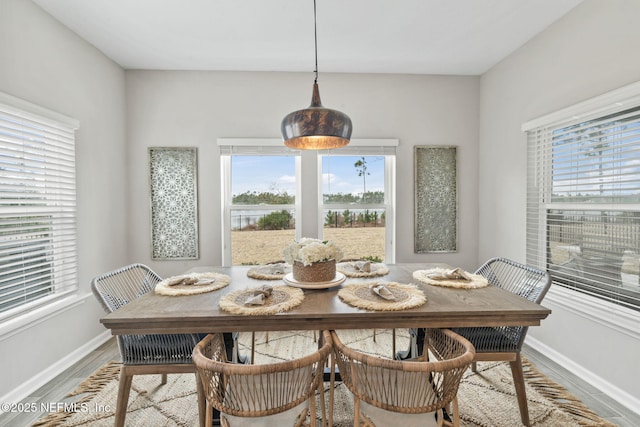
<point x="324" y="271"/>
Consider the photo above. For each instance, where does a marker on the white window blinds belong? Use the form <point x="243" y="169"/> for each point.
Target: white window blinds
<point x="583" y="208"/>
<point x="38" y="260"/>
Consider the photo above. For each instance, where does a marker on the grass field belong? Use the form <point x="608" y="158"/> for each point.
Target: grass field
<point x="262" y="246"/>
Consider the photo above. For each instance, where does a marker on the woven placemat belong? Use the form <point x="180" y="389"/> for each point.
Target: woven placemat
<point x="360" y="295"/>
<point x="269" y="271"/>
<point x="477" y="281"/>
<point x="207" y="282"/>
<point x="282" y="298"/>
<point x="350" y="269"/>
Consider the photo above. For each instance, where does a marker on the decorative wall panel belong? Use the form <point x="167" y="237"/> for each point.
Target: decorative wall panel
<point x="174" y="203"/>
<point x="436" y="199"/>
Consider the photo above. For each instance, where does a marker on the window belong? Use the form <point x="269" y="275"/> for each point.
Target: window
<point x="260" y="185"/>
<point x="357" y="200"/>
<point x="267" y="187"/>
<point x="583" y="213"/>
<point x="37" y="206"/>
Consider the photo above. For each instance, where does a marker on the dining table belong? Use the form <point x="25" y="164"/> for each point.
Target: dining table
<point x="322" y="308"/>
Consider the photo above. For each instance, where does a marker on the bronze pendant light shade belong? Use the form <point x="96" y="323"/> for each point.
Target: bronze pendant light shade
<point x="316" y="127"/>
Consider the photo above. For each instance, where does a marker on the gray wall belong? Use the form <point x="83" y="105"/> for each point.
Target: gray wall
<point x="174" y="108"/>
<point x="46" y="64"/>
<point x="590" y="51"/>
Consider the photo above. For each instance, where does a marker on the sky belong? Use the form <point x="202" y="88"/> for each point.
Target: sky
<point x="600" y="160"/>
<point x="277" y="173"/>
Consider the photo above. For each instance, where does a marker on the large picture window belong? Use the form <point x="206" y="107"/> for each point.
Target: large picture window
<point x="267" y="188"/>
<point x="583" y="221"/>
<point x="37" y="206"/>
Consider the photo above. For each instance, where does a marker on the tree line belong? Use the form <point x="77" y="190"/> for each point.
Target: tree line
<point x="284" y="198"/>
<point x="284" y="220"/>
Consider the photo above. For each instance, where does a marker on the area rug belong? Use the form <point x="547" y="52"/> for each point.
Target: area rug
<point x="486" y="398"/>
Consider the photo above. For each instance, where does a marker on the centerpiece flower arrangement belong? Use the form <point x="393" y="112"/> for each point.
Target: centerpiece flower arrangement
<point x="313" y="260"/>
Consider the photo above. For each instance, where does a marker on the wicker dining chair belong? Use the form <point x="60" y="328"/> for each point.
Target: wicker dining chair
<point x="408" y="393"/>
<point x="270" y="395"/>
<point x="503" y="343"/>
<point x="143" y="354"/>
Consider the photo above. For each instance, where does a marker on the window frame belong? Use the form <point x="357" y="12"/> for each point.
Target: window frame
<point x="61" y="206"/>
<point x="251" y="147"/>
<point x="540" y="173"/>
<point x="367" y="147"/>
<point x="307" y="160"/>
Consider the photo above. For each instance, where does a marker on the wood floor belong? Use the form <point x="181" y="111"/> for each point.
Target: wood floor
<point x="56" y="390"/>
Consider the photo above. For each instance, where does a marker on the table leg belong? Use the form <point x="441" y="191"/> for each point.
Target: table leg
<point x="416" y="343"/>
<point x="231" y="344"/>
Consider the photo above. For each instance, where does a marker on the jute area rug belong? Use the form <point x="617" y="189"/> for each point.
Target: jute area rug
<point x="486" y="398"/>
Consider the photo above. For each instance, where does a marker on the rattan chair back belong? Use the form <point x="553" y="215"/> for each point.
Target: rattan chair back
<point x="260" y="390"/>
<point x="419" y="386"/>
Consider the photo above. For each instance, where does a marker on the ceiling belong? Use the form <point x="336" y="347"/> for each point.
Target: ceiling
<point x="458" y="37"/>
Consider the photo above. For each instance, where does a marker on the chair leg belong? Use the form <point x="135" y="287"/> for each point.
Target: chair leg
<point x="393" y="343"/>
<point x="474" y="366"/>
<point x="521" y="392"/>
<point x="456" y="412"/>
<point x="302" y="418"/>
<point x="124" y="386"/>
<point x="209" y="415"/>
<point x="332" y="379"/>
<point x="413" y="349"/>
<point x="163" y="379"/>
<point x="312" y="411"/>
<point x="234" y="349"/>
<point x="253" y="347"/>
<point x="202" y="402"/>
<point x="323" y="408"/>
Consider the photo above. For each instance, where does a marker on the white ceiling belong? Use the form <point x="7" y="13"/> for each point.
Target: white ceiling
<point x="460" y="37"/>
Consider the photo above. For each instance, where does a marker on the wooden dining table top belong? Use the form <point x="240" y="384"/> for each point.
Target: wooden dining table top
<point x="323" y="308"/>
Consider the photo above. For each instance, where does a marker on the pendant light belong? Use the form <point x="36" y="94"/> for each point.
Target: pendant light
<point x="316" y="127"/>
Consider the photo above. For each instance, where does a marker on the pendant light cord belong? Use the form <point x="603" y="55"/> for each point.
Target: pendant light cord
<point x="315" y="35"/>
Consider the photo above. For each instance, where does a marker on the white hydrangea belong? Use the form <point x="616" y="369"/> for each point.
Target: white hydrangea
<point x="307" y="251"/>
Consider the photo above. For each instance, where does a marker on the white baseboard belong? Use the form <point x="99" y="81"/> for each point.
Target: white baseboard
<point x="617" y="394"/>
<point x="37" y="381"/>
